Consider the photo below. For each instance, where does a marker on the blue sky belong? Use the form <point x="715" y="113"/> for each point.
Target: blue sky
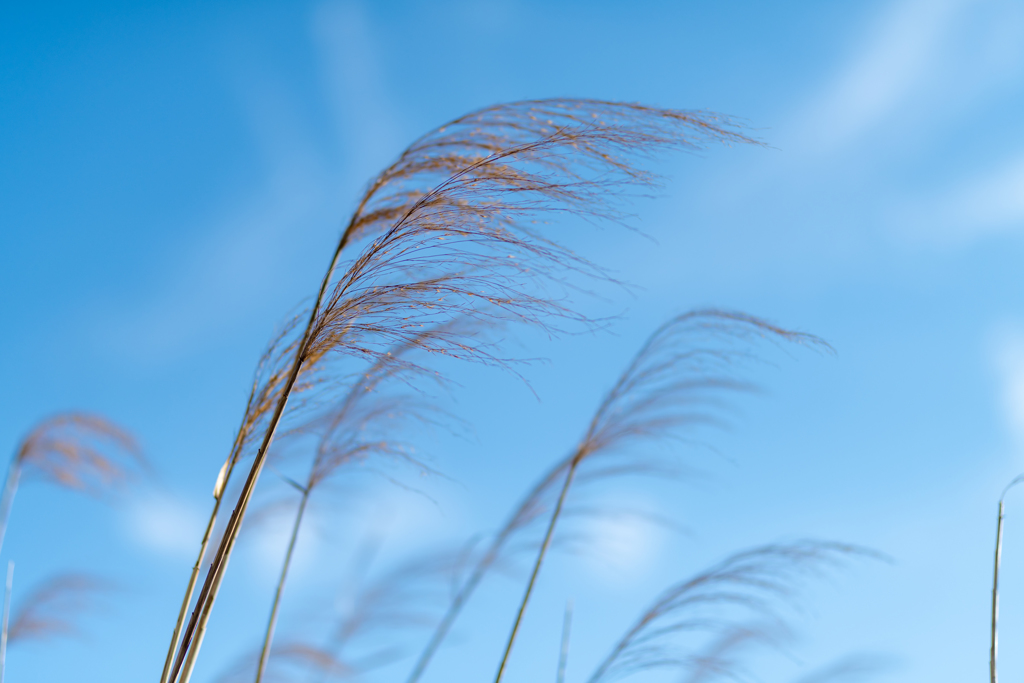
<point x="175" y="176"/>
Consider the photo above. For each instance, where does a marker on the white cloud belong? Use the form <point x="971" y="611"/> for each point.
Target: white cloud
<point x="397" y="520"/>
<point x="166" y="525"/>
<point x="901" y="50"/>
<point x="354" y="81"/>
<point x="265" y="549"/>
<point x="623" y="540"/>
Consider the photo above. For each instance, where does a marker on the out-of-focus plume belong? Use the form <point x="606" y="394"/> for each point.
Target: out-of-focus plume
<point x="446" y="235"/>
<point x="51" y="609"/>
<point x="677" y="379"/>
<point x="713" y="606"/>
<point x="78" y="451"/>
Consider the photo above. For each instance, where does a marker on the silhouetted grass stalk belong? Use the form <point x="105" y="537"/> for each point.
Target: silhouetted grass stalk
<point x="349" y="419"/>
<point x="536" y="566"/>
<point x="480" y="569"/>
<point x="200" y="634"/>
<point x="7" y="616"/>
<point x="452" y="243"/>
<point x="208" y="595"/>
<point x="666" y="385"/>
<point x="994" y="649"/>
<point x="261" y="399"/>
<point x="269" y="637"/>
<point x="218" y="492"/>
<point x="7" y="500"/>
<point x="995" y="597"/>
<point x="192" y="640"/>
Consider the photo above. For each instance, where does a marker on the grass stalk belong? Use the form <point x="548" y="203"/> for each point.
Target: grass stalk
<point x="183" y="613"/>
<point x="563" y="654"/>
<point x="194" y="633"/>
<point x="7" y="498"/>
<point x="200" y="633"/>
<point x="994" y="649"/>
<point x="476" y="576"/>
<point x="669" y="384"/>
<point x="995" y="597"/>
<point x="7" y="616"/>
<point x="495" y="167"/>
<point x="536" y="567"/>
<point x="211" y="586"/>
<point x="272" y="624"/>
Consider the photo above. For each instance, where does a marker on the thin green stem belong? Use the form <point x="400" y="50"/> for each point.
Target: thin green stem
<point x="272" y="624"/>
<point x="995" y="596"/>
<point x="536" y="567"/>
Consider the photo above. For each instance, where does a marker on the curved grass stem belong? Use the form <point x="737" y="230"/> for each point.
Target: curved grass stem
<point x="191" y="640"/>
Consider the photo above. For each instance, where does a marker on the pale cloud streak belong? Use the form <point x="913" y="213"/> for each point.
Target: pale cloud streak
<point x="353" y="79"/>
<point x="886" y="71"/>
<point x="234" y="266"/>
<point x="624" y="542"/>
<point x="990" y="204"/>
<point x="919" y="72"/>
<point x="165" y="525"/>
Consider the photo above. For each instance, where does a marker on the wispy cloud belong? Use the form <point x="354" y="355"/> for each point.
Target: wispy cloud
<point x="624" y="541"/>
<point x="165" y="525"/>
<point x="900" y="51"/>
<point x="990" y="204"/>
<point x="354" y="82"/>
<point x="268" y="540"/>
<point x="917" y="74"/>
<point x="234" y="265"/>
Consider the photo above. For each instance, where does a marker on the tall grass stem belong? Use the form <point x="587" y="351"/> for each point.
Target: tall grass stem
<point x="995" y="598"/>
<point x="994" y="649"/>
<point x="211" y="586"/>
<point x="193" y="655"/>
<point x="183" y="613"/>
<point x="536" y="568"/>
<point x="272" y="623"/>
<point x="7" y="498"/>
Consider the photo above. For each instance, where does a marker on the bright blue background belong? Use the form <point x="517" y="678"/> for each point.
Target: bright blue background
<point x="173" y="178"/>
